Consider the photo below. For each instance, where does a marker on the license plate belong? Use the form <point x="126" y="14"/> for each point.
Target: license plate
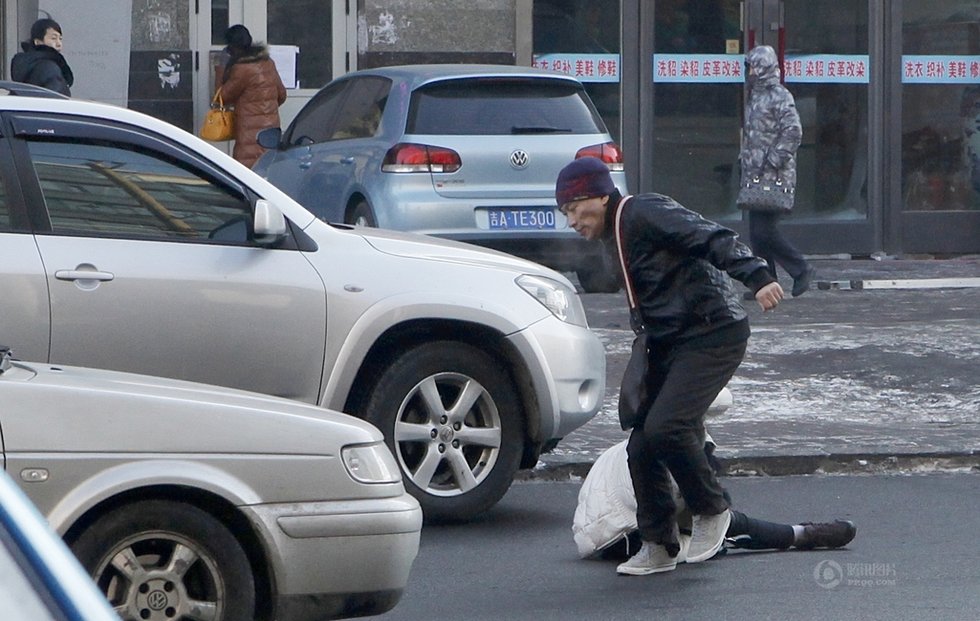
<point x="521" y="219"/>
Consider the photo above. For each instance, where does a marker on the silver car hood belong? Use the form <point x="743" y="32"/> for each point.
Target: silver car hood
<point x="48" y="407"/>
<point x="417" y="246"/>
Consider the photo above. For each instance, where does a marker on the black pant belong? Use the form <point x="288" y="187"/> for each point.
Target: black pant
<point x="769" y="244"/>
<point x="670" y="440"/>
<point x="755" y="534"/>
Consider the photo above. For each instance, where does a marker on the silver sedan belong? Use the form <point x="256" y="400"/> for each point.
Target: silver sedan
<point x="187" y="501"/>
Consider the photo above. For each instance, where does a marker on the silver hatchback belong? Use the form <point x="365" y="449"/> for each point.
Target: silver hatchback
<point x="463" y="152"/>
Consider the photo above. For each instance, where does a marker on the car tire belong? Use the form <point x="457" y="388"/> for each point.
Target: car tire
<point x="362" y="215"/>
<point x="159" y="559"/>
<point x="456" y="463"/>
<point x="596" y="279"/>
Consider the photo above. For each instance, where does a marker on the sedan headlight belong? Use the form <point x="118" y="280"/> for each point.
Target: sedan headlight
<point x="558" y="298"/>
<point x="370" y="463"/>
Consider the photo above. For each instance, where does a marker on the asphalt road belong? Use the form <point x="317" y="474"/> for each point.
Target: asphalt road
<point x="916" y="556"/>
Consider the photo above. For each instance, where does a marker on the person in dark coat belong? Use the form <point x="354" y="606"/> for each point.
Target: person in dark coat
<point x="770" y="139"/>
<point x="41" y="62"/>
<point x="696" y="331"/>
<point x="250" y="83"/>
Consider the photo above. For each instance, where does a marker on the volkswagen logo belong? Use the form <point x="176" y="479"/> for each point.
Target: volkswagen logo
<point x="518" y="159"/>
<point x="157" y="600"/>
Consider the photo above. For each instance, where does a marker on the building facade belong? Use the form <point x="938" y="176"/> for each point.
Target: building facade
<point x="888" y="90"/>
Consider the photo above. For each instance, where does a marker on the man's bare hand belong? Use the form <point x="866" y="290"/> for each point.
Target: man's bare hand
<point x="769" y="296"/>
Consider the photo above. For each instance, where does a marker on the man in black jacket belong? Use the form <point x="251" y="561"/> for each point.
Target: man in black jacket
<point x="41" y="62"/>
<point x="696" y="332"/>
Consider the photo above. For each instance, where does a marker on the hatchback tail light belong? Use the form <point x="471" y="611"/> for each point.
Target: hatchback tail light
<point x="608" y="152"/>
<point x="406" y="157"/>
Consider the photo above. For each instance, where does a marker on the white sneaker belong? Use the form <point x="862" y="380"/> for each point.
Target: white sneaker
<point x="708" y="536"/>
<point x="652" y="558"/>
<point x="685" y="542"/>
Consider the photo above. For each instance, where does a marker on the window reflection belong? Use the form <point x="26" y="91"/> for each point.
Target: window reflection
<point x="940" y="108"/>
<point x="306" y="24"/>
<point x="4" y="209"/>
<point x="102" y="190"/>
<point x="832" y="163"/>
<point x="584" y="27"/>
<point x="219" y="21"/>
<point x="696" y="126"/>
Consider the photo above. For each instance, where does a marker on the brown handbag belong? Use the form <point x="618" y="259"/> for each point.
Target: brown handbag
<point x="219" y="124"/>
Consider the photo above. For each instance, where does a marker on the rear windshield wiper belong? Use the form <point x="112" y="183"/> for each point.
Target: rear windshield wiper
<point x="539" y="130"/>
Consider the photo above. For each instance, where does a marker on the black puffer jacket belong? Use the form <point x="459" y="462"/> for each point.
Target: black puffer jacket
<point x="42" y="66"/>
<point x="678" y="262"/>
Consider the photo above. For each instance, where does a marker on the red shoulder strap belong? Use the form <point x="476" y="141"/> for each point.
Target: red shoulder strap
<point x="627" y="281"/>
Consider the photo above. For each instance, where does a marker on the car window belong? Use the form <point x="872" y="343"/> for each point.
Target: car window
<point x="501" y="106"/>
<point x="106" y="189"/>
<point x="4" y="209"/>
<point x="360" y="114"/>
<point x="315" y="120"/>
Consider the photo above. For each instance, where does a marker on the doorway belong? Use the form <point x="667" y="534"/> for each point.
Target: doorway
<point x="310" y="40"/>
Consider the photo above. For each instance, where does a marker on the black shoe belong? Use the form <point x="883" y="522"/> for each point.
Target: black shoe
<point x="802" y="284"/>
<point x="834" y="534"/>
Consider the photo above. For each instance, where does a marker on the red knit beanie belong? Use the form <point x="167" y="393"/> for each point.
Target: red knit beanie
<point x="586" y="177"/>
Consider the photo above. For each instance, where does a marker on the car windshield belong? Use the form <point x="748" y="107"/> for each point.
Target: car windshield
<point x="502" y="106"/>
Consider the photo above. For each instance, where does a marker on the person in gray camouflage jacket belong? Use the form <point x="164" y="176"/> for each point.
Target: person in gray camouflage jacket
<point x="770" y="138"/>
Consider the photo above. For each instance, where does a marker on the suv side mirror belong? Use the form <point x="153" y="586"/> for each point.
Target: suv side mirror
<point x="269" y="224"/>
<point x="269" y="137"/>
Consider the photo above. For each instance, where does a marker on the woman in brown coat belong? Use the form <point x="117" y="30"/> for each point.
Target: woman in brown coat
<point x="250" y="83"/>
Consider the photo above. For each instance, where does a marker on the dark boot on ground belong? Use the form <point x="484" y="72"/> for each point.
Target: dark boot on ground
<point x="834" y="534"/>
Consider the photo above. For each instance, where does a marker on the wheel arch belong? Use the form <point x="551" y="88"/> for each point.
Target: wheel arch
<point x="408" y="334"/>
<point x="352" y="201"/>
<point x="218" y="507"/>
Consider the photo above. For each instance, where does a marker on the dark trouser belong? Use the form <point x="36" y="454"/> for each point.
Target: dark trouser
<point x="754" y="534"/>
<point x="670" y="441"/>
<point x="769" y="244"/>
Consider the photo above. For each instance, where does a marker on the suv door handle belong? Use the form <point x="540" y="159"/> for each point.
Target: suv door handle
<point x="83" y="275"/>
<point x="347" y="160"/>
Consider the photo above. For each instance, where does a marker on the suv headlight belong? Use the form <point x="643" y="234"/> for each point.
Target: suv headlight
<point x="370" y="463"/>
<point x="558" y="298"/>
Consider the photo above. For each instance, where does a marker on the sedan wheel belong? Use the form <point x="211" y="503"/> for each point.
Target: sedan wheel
<point x="362" y="215"/>
<point x="451" y="417"/>
<point x="160" y="560"/>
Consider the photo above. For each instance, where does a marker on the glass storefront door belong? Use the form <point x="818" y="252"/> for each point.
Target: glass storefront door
<point x="697" y="103"/>
<point x="827" y="67"/>
<point x="581" y="38"/>
<point x="698" y="94"/>
<point x="940" y="125"/>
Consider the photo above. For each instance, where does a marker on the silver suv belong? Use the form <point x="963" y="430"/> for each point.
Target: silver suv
<point x="129" y="244"/>
<point x="463" y="152"/>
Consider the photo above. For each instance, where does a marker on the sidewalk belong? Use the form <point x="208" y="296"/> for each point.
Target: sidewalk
<point x="877" y="368"/>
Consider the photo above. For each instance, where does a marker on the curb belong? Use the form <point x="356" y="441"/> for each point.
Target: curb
<point x="899" y="283"/>
<point x="786" y="465"/>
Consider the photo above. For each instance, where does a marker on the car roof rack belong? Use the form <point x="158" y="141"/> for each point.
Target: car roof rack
<point x="21" y="89"/>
